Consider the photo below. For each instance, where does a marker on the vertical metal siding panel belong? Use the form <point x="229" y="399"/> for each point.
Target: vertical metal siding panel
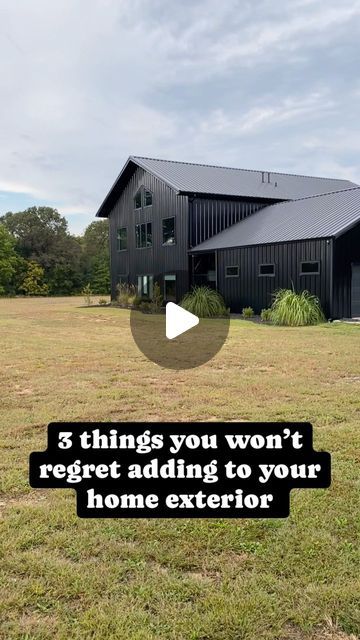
<point x="346" y="251"/>
<point x="157" y="259"/>
<point x="257" y="292"/>
<point x="211" y="215"/>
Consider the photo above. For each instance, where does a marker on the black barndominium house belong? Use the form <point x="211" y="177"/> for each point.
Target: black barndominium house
<point x="247" y="233"/>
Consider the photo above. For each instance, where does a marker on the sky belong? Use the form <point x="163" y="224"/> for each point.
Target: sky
<point x="84" y="84"/>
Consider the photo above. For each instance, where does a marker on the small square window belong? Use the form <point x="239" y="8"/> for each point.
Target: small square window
<point x="122" y="239"/>
<point x="168" y="231"/>
<point x="148" y="197"/>
<point x="310" y="268"/>
<point x="267" y="269"/>
<point x="232" y="271"/>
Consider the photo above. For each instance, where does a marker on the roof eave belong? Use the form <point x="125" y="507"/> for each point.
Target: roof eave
<point x="103" y="212"/>
<point x="257" y="244"/>
<point x="348" y="227"/>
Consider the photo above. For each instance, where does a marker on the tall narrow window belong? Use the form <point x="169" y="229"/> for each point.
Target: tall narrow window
<point x="122" y="239"/>
<point x="143" y="235"/>
<point x="145" y="286"/>
<point x="148" y="234"/>
<point x="148" y="198"/>
<point x="310" y="268"/>
<point x="137" y="200"/>
<point x="168" y="231"/>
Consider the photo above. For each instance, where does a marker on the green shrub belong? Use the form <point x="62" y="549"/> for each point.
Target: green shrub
<point x="266" y="315"/>
<point x="204" y="302"/>
<point x="126" y="294"/>
<point x="248" y="312"/>
<point x="87" y="293"/>
<point x="102" y="301"/>
<point x="146" y="307"/>
<point x="137" y="301"/>
<point x="157" y="298"/>
<point x="296" y="309"/>
<point x="33" y="284"/>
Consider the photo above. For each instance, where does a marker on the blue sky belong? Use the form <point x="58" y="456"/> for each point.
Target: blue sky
<point x="84" y="84"/>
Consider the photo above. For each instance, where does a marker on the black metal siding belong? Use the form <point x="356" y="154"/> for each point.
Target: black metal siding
<point x="156" y="260"/>
<point x="209" y="216"/>
<point x="251" y="290"/>
<point x="346" y="251"/>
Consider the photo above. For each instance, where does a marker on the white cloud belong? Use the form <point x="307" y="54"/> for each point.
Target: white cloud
<point x="83" y="85"/>
<point x="258" y="117"/>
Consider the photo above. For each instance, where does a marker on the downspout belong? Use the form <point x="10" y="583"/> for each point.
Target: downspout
<point x="331" y="259"/>
<point x="216" y="270"/>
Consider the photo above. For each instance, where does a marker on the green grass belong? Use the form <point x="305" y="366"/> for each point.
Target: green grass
<point x="66" y="578"/>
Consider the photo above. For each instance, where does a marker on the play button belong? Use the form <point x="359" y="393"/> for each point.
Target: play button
<point x="178" y="320"/>
<point x="175" y="338"/>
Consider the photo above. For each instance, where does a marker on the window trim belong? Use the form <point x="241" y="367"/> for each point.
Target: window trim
<point x="266" y="275"/>
<point x="309" y="273"/>
<point x="232" y="266"/>
<point x="117" y="239"/>
<point x="145" y="224"/>
<point x="146" y="206"/>
<point x="166" y="244"/>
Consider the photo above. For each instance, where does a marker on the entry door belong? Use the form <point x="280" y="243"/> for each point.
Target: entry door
<point x="355" y="291"/>
<point x="170" y="288"/>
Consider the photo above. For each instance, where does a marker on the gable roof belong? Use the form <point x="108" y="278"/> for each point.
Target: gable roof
<point x="187" y="178"/>
<point x="321" y="216"/>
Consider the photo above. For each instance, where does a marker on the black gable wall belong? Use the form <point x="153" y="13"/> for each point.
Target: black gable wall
<point x="209" y="216"/>
<point x="158" y="259"/>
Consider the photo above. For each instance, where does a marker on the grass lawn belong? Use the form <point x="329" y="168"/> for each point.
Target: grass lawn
<point x="69" y="579"/>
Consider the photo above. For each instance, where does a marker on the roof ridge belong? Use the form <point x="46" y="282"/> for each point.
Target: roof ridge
<point x="315" y="195"/>
<point x="218" y="166"/>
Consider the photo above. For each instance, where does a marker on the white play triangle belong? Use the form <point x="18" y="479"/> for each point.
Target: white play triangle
<point x="178" y="320"/>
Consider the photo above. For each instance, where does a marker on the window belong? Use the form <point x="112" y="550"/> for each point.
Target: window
<point x="231" y="272"/>
<point x="143" y="235"/>
<point x="148" y="196"/>
<point x="168" y="231"/>
<point x="170" y="288"/>
<point x="267" y="269"/>
<point x="137" y="200"/>
<point x="143" y="198"/>
<point x="145" y="286"/>
<point x="122" y="239"/>
<point x="310" y="268"/>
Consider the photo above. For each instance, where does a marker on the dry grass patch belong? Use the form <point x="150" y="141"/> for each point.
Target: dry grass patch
<point x="63" y="577"/>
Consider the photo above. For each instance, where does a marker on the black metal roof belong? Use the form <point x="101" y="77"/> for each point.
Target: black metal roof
<point x="189" y="178"/>
<point x="321" y="216"/>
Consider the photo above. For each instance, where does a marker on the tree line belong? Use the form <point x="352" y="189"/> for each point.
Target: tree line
<point x="38" y="255"/>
